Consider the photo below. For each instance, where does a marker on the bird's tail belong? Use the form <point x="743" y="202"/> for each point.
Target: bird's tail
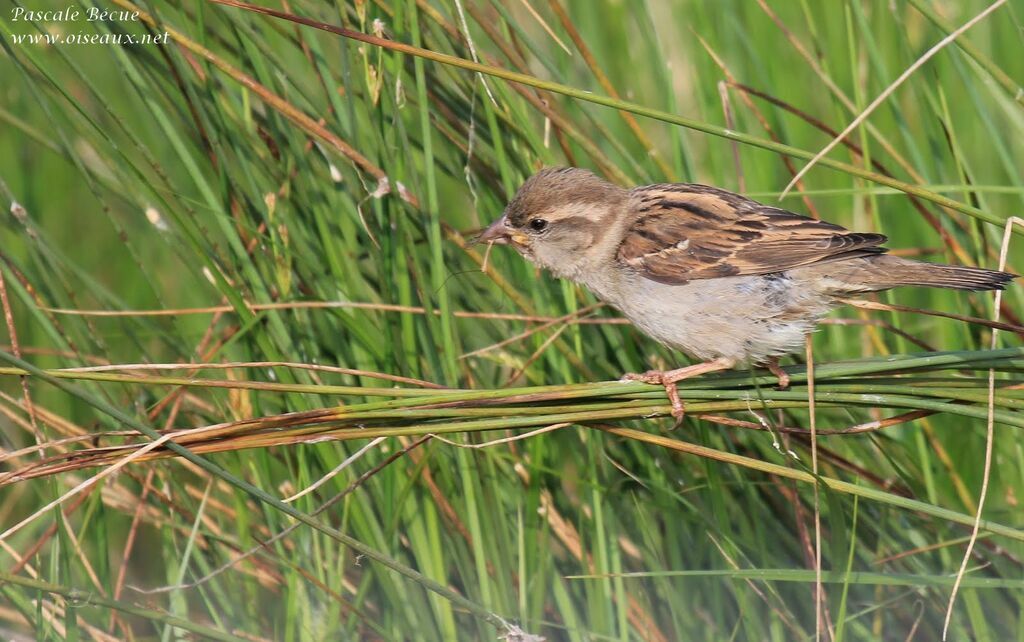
<point x="936" y="275"/>
<point x="884" y="271"/>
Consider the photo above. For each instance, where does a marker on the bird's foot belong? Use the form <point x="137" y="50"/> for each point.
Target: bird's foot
<point x="653" y="377"/>
<point x="775" y="369"/>
<point x="669" y="378"/>
<point x="662" y="378"/>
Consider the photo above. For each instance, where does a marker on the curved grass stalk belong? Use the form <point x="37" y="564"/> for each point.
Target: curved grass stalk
<point x="964" y="359"/>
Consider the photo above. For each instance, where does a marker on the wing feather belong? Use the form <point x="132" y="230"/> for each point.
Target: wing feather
<point x="687" y="232"/>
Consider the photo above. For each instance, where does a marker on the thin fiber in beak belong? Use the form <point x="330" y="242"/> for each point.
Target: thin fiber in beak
<point x="498" y="232"/>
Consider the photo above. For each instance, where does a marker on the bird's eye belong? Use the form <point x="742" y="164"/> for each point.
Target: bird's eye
<point x="538" y="224"/>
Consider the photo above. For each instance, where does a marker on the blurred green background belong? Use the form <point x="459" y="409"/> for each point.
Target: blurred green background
<point x="244" y="163"/>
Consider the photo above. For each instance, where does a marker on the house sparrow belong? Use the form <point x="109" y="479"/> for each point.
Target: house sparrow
<point x="722" y="278"/>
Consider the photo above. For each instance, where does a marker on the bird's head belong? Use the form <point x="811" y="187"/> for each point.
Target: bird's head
<point x="559" y="218"/>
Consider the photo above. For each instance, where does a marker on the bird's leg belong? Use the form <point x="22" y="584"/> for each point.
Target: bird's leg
<point x="669" y="379"/>
<point x="773" y="367"/>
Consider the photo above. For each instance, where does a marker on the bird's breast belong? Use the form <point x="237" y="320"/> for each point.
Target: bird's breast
<point x="748" y="318"/>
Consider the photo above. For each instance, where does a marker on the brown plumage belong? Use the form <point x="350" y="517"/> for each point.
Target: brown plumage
<point x="717" y="275"/>
<point x="688" y="232"/>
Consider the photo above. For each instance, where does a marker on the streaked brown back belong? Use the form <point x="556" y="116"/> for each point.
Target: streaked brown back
<point x="687" y="232"/>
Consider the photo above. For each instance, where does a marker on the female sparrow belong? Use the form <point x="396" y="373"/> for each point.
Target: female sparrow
<point x="722" y="278"/>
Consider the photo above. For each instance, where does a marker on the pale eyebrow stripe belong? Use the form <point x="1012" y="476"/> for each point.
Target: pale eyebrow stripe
<point x="575" y="220"/>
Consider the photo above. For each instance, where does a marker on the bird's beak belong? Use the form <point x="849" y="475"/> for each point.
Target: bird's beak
<point x="499" y="232"/>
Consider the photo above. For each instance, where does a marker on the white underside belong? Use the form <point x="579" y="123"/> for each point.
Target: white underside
<point x="747" y="319"/>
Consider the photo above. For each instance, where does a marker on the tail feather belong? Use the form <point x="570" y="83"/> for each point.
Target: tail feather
<point x="948" y="276"/>
<point x="884" y="271"/>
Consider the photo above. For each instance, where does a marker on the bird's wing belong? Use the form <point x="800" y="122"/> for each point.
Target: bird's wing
<point x="686" y="232"/>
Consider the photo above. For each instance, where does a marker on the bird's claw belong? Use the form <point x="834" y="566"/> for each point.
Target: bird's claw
<point x="653" y="377"/>
<point x="658" y="378"/>
<point x="780" y="374"/>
